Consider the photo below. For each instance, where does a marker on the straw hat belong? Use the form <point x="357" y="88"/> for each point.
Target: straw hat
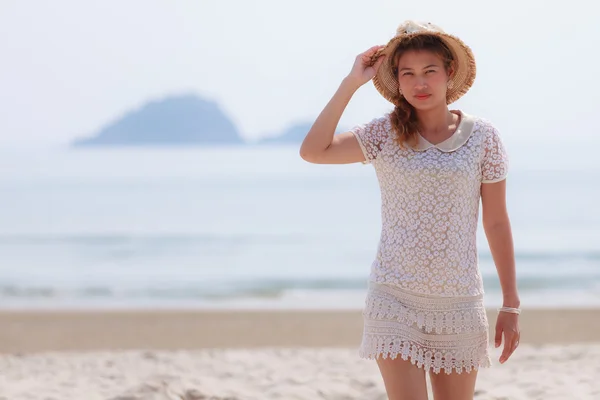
<point x="386" y="82"/>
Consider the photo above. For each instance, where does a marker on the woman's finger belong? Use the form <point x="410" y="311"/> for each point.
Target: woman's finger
<point x="377" y="63"/>
<point x="498" y="337"/>
<point x="380" y="60"/>
<point x="515" y="344"/>
<point x="508" y="343"/>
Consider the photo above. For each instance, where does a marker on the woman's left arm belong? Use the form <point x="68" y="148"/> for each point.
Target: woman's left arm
<point x="496" y="225"/>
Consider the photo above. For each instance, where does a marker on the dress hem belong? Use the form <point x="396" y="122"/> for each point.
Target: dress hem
<point x="416" y="355"/>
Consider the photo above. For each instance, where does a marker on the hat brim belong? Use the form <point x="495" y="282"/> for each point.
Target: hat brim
<point x="386" y="82"/>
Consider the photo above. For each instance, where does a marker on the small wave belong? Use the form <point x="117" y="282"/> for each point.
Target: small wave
<point x="272" y="288"/>
<point x="207" y="292"/>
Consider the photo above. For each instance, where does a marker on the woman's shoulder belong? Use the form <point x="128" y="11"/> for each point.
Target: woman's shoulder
<point x="483" y="127"/>
<point x="379" y="126"/>
<point x="488" y="137"/>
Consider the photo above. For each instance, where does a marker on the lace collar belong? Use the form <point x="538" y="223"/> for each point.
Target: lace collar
<point x="454" y="142"/>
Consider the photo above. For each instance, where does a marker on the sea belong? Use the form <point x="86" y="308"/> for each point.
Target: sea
<point x="256" y="227"/>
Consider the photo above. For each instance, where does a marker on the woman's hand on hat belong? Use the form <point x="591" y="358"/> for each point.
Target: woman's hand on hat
<point x="364" y="69"/>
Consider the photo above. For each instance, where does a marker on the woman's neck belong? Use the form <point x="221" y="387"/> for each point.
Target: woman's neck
<point x="437" y="123"/>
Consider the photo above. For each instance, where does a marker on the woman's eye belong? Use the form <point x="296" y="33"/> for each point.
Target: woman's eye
<point x="431" y="70"/>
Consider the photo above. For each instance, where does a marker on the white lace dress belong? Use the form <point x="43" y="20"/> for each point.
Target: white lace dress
<point x="425" y="296"/>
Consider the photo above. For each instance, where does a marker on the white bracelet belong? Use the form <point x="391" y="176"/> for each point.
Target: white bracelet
<point x="510" y="310"/>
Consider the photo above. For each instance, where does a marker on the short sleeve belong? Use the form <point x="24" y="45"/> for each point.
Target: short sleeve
<point x="494" y="166"/>
<point x="372" y="137"/>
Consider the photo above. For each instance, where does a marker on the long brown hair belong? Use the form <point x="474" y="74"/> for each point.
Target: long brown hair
<point x="404" y="117"/>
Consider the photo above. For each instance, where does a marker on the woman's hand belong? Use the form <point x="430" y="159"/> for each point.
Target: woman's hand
<point x="507" y="324"/>
<point x="364" y="69"/>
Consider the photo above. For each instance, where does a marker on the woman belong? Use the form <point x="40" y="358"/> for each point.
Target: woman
<point x="424" y="310"/>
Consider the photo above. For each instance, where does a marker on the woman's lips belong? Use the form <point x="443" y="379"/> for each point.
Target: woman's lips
<point x="422" y="96"/>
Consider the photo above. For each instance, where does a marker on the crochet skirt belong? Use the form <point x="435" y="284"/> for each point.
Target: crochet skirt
<point x="433" y="332"/>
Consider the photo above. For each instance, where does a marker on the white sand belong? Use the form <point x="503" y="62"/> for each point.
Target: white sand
<point x="534" y="372"/>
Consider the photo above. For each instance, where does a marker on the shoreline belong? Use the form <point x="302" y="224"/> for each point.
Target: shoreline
<point x="30" y="331"/>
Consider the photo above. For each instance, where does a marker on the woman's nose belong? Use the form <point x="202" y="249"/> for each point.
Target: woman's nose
<point x="420" y="84"/>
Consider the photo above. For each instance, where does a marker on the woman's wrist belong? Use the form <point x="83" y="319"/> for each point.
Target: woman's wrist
<point x="351" y="83"/>
<point x="511" y="300"/>
<point x="510" y="310"/>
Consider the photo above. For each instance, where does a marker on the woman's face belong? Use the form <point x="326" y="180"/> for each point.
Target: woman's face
<point x="422" y="78"/>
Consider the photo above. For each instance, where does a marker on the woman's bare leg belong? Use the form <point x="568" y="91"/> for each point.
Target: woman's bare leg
<point x="453" y="386"/>
<point x="402" y="379"/>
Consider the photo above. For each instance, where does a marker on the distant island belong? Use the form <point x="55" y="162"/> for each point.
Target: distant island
<point x="177" y="120"/>
<point x="180" y="120"/>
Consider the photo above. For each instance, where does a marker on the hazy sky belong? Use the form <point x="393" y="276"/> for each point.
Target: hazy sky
<point x="70" y="66"/>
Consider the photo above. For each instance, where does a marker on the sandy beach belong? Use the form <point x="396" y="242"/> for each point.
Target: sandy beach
<point x="131" y="355"/>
